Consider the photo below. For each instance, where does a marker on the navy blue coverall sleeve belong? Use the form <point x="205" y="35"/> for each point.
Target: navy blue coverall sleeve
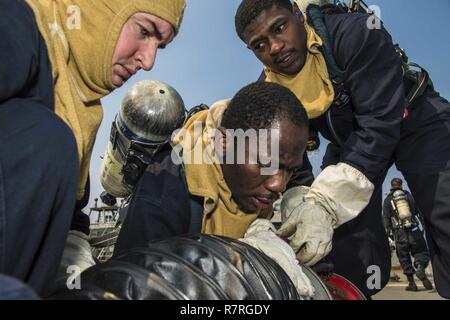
<point x="38" y="155"/>
<point x="374" y="78"/>
<point x="159" y="208"/>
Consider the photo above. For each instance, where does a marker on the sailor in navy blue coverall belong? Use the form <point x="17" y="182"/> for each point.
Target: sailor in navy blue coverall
<point x="371" y="132"/>
<point x="376" y="134"/>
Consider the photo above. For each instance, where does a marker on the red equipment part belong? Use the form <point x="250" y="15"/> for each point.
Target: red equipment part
<point x="341" y="288"/>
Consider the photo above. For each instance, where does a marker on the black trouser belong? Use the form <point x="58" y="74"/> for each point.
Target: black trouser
<point x="38" y="181"/>
<point x="360" y="247"/>
<point x="423" y="157"/>
<point x="411" y="242"/>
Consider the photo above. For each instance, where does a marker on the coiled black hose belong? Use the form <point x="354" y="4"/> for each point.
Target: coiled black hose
<point x="193" y="267"/>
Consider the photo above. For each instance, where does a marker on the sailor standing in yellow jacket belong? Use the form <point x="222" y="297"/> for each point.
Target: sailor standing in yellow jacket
<point x="56" y="66"/>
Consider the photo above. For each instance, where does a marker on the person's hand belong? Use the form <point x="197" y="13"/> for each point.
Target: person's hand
<point x="310" y="231"/>
<point x="337" y="196"/>
<point x="261" y="235"/>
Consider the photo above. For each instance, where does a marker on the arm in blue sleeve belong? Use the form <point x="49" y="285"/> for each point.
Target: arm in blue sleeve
<point x="374" y="78"/>
<point x="159" y="209"/>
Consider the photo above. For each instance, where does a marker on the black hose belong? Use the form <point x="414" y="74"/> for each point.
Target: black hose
<point x="197" y="267"/>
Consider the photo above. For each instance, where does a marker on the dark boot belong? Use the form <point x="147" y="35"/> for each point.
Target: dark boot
<point x="411" y="284"/>
<point x="420" y="273"/>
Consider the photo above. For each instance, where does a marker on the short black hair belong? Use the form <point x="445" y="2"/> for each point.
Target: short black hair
<point x="250" y="9"/>
<point x="259" y="105"/>
<point x="396" y="182"/>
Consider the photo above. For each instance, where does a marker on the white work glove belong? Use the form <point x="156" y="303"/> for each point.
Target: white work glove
<point x="337" y="196"/>
<point x="261" y="235"/>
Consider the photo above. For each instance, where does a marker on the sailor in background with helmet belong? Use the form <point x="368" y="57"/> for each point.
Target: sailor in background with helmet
<point x="403" y="225"/>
